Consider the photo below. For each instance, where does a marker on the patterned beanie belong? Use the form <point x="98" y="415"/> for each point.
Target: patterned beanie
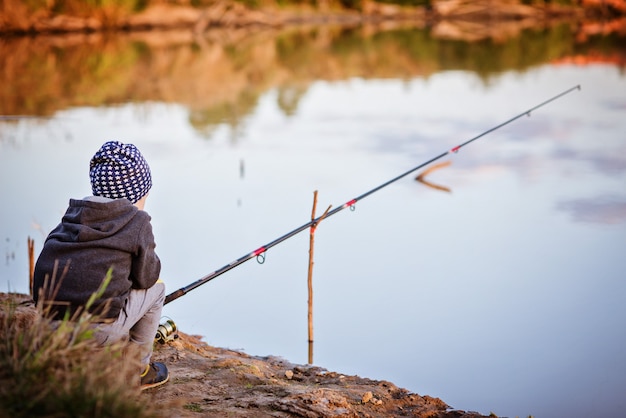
<point x="119" y="170"/>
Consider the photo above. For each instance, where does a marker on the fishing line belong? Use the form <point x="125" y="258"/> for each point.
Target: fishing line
<point x="259" y="253"/>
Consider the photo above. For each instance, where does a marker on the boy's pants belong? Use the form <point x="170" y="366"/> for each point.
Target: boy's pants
<point x="138" y="320"/>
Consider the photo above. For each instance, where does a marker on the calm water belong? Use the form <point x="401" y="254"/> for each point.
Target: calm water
<point x="504" y="294"/>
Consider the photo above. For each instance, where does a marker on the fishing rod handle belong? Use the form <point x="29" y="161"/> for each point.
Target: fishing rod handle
<point x="173" y="296"/>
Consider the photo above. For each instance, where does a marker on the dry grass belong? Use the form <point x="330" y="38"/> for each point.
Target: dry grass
<point x="56" y="369"/>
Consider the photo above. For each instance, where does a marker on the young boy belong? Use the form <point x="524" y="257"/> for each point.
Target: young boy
<point x="108" y="231"/>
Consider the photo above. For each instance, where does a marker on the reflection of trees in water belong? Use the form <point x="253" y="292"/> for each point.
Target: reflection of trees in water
<point x="289" y="97"/>
<point x="43" y="75"/>
<point x="220" y="82"/>
<point x="232" y="114"/>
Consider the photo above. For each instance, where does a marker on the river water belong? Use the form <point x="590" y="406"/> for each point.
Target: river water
<point x="500" y="290"/>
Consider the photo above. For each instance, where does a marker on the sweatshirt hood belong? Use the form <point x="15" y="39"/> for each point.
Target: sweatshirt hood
<point x="94" y="219"/>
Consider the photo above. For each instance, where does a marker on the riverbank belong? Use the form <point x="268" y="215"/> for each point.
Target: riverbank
<point x="219" y="382"/>
<point x="15" y="18"/>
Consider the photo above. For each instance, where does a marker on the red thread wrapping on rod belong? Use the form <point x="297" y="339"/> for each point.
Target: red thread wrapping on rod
<point x="258" y="251"/>
<point x="350" y="203"/>
<point x="455" y="149"/>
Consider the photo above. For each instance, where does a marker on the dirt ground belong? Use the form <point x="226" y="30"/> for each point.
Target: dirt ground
<point x="208" y="381"/>
<point x="216" y="382"/>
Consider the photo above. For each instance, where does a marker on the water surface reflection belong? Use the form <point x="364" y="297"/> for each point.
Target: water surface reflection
<point x="220" y="79"/>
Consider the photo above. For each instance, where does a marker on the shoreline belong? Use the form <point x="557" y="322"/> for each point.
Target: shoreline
<point x="228" y="14"/>
<point x="221" y="382"/>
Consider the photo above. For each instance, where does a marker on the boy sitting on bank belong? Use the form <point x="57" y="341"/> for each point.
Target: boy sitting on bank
<point x="109" y="231"/>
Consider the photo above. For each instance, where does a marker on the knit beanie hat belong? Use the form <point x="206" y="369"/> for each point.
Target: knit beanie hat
<point x="119" y="170"/>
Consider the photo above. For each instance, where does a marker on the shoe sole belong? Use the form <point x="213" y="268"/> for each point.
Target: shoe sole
<point x="153" y="385"/>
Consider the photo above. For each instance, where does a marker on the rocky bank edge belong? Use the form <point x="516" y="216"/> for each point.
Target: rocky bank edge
<point x="219" y="382"/>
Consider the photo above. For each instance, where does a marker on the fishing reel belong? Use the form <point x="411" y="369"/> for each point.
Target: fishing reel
<point x="166" y="331"/>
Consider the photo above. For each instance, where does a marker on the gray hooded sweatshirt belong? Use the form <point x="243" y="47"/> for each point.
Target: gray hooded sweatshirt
<point x="96" y="235"/>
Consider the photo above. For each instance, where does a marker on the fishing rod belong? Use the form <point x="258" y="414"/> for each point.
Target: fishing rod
<point x="261" y="250"/>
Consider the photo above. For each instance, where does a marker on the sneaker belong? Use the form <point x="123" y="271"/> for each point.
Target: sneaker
<point x="155" y="375"/>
